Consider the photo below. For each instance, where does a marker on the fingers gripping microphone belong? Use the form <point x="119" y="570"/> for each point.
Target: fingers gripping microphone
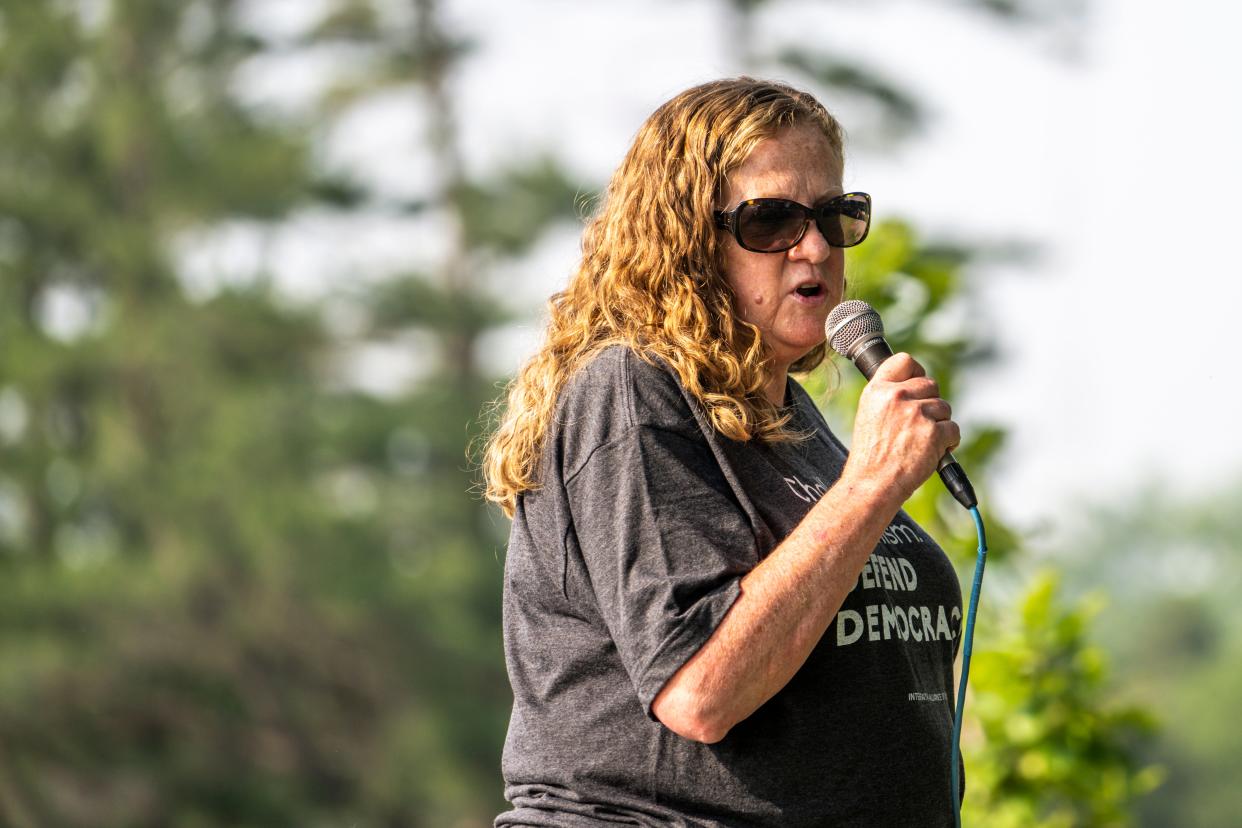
<point x="855" y="332"/>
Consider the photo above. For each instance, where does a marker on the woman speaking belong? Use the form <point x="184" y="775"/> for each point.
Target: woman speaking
<point x="715" y="615"/>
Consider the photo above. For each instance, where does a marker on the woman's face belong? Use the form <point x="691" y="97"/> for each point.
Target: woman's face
<point x="797" y="164"/>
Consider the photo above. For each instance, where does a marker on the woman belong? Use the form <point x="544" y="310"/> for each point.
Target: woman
<point x="714" y="616"/>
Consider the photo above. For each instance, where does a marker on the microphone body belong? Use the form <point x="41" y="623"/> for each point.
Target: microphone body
<point x="855" y="331"/>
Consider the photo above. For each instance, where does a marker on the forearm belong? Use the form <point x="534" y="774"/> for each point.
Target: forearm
<point x="786" y="604"/>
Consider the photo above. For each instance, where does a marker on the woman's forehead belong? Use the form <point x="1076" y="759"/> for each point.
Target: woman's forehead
<point x="797" y="163"/>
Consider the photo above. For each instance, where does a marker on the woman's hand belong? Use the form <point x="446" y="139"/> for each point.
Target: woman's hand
<point x="902" y="427"/>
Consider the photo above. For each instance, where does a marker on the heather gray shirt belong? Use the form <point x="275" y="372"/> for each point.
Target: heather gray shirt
<point x="619" y="568"/>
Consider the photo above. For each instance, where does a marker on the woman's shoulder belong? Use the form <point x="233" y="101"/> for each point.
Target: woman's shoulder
<point x="617" y="390"/>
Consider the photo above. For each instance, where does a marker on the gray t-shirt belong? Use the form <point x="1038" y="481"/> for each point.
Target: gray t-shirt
<point x="619" y="568"/>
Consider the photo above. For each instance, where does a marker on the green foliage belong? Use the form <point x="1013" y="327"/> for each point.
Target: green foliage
<point x="1174" y="628"/>
<point x="1049" y="748"/>
<point x="234" y="592"/>
<point x="508" y="212"/>
<point x="413" y="300"/>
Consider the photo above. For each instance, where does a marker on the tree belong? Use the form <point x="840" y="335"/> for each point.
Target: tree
<point x="203" y="621"/>
<point x="489" y="218"/>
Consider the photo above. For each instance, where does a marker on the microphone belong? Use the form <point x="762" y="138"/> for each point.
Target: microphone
<point x="855" y="332"/>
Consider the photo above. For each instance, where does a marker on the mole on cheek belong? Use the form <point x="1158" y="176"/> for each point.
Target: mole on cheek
<point x="758" y="300"/>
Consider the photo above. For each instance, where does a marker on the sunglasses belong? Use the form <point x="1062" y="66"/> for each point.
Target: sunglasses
<point x="773" y="225"/>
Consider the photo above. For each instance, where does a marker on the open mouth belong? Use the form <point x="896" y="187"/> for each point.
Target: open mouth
<point x="810" y="290"/>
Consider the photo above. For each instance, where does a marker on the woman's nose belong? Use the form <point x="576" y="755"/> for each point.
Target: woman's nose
<point x="812" y="247"/>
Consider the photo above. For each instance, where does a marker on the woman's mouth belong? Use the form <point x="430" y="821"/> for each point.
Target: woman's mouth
<point x="811" y="293"/>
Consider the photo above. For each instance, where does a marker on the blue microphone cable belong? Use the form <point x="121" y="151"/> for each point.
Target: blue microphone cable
<point x="980" y="561"/>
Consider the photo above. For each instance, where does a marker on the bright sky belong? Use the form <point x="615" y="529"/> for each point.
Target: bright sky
<point x="1117" y="345"/>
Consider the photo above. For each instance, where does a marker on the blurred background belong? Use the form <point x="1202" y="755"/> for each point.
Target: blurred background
<point x="265" y="263"/>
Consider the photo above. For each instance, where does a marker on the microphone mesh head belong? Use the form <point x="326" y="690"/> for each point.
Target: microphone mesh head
<point x="850" y="323"/>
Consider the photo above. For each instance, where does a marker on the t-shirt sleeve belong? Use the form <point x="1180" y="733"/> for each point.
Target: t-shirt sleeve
<point x="665" y="544"/>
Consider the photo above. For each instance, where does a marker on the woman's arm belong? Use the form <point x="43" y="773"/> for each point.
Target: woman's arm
<point x="787" y="602"/>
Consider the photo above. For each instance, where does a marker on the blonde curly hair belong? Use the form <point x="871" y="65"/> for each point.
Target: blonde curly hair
<point x="650" y="276"/>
